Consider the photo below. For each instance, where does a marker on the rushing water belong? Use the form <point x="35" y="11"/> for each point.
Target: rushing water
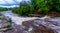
<point x="18" y="19"/>
<point x="15" y="18"/>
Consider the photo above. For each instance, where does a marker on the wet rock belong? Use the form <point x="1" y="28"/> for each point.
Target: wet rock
<point x="55" y="21"/>
<point x="38" y="26"/>
<point x="17" y="29"/>
<point x="27" y="24"/>
<point x="5" y="23"/>
<point x="42" y="29"/>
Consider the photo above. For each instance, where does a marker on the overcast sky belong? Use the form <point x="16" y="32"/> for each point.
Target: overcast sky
<point x="5" y="3"/>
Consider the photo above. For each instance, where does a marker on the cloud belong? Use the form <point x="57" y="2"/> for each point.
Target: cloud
<point x="10" y="6"/>
<point x="27" y="0"/>
<point x="19" y="0"/>
<point x="10" y="3"/>
<point x="2" y="2"/>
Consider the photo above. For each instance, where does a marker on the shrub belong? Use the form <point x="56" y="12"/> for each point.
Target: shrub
<point x="41" y="6"/>
<point x="57" y="4"/>
<point x="15" y="9"/>
<point x="57" y="7"/>
<point x="3" y="9"/>
<point x="24" y="9"/>
<point x="0" y="14"/>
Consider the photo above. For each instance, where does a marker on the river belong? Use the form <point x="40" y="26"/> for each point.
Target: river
<point x="18" y="19"/>
<point x="15" y="18"/>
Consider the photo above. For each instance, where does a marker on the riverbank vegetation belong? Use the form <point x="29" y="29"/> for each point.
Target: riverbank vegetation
<point x="3" y="9"/>
<point x="38" y="7"/>
<point x="23" y="9"/>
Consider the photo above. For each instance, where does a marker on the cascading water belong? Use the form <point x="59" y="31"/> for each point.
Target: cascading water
<point x="15" y="18"/>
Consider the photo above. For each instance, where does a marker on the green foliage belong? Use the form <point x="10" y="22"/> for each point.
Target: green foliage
<point x="24" y="9"/>
<point x="57" y="4"/>
<point x="3" y="9"/>
<point x="30" y="15"/>
<point x="15" y="10"/>
<point x="58" y="7"/>
<point x="0" y="14"/>
<point x="33" y="2"/>
<point x="41" y="6"/>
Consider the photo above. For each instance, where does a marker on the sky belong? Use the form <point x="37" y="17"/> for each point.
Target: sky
<point x="10" y="3"/>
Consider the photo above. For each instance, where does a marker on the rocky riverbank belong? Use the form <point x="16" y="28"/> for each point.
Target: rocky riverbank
<point x="48" y="25"/>
<point x="5" y="23"/>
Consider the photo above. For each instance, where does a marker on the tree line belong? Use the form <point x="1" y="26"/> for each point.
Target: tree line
<point x="37" y="6"/>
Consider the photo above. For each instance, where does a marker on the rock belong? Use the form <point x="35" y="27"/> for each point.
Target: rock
<point x="38" y="26"/>
<point x="42" y="29"/>
<point x="27" y="24"/>
<point x="54" y="20"/>
<point x="5" y="23"/>
<point x="17" y="29"/>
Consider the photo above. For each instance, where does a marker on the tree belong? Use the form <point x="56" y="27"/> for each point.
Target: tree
<point x="57" y="4"/>
<point x="24" y="9"/>
<point x="44" y="6"/>
<point x="41" y="6"/>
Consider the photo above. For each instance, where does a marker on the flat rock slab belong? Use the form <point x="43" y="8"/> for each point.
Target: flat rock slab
<point x="44" y="26"/>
